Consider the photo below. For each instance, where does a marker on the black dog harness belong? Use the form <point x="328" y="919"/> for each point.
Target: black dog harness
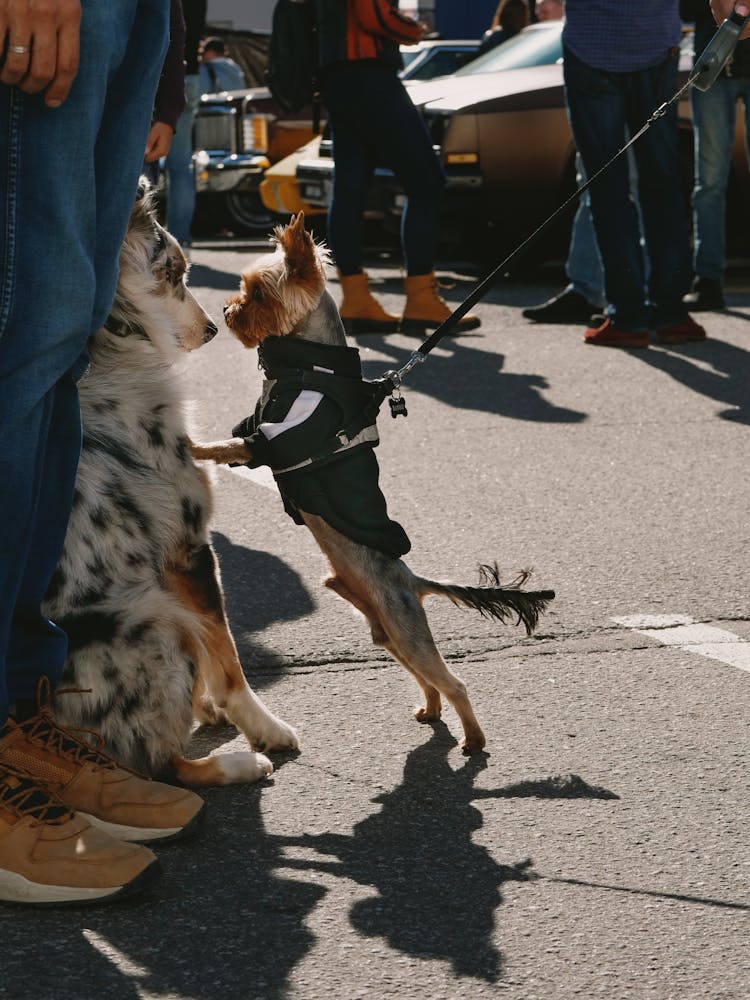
<point x="314" y="426"/>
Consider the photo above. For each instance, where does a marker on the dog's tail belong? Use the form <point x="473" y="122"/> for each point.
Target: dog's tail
<point x="493" y="600"/>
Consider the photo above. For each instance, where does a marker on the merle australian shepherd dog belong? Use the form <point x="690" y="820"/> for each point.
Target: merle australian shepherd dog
<point x="137" y="588"/>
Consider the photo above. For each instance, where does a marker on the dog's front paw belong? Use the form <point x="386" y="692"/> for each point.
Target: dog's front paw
<point x="243" y="768"/>
<point x="222" y="452"/>
<point x="275" y="735"/>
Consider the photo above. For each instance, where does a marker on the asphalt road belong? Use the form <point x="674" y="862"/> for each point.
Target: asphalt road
<point x="601" y="848"/>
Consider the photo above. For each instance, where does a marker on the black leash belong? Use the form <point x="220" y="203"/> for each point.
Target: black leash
<point x="706" y="70"/>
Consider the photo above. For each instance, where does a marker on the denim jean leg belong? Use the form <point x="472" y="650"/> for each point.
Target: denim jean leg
<point x="179" y="167"/>
<point x="68" y="176"/>
<point x="663" y="210"/>
<point x="584" y="265"/>
<point x="598" y="117"/>
<point x="714" y="114"/>
<point x="354" y="163"/>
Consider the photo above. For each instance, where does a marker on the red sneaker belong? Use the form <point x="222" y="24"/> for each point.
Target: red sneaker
<point x="680" y="333"/>
<point x="608" y="335"/>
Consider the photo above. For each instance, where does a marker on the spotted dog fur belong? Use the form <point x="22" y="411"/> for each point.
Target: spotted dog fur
<point x="137" y="588"/>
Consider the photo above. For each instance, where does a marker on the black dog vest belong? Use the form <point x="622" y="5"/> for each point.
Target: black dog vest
<point x="314" y="426"/>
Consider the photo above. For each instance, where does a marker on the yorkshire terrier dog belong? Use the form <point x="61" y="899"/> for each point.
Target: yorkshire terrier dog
<point x="314" y="425"/>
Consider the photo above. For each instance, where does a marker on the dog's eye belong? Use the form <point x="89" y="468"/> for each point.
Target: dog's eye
<point x="257" y="294"/>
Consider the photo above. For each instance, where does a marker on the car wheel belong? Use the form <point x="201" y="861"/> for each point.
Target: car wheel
<point x="247" y="213"/>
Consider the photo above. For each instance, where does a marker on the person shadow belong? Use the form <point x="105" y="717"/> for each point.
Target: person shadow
<point x="713" y="368"/>
<point x="437" y="890"/>
<point x="464" y="377"/>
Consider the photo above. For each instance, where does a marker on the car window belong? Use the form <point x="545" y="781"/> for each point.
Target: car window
<point x="441" y="62"/>
<point x="531" y="47"/>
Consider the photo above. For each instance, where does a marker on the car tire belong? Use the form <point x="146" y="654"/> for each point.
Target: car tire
<point x="247" y="214"/>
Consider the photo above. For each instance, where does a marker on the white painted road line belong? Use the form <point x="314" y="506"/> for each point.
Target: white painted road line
<point x="705" y="640"/>
<point x="262" y="476"/>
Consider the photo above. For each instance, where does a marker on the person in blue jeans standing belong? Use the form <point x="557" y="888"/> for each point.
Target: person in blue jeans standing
<point x="714" y="120"/>
<point x="77" y="86"/>
<point x="620" y="64"/>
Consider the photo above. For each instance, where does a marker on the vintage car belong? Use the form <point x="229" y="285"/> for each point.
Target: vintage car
<point x="237" y="136"/>
<point x="500" y="128"/>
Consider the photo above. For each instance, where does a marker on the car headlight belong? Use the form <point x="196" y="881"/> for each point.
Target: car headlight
<point x="255" y="133"/>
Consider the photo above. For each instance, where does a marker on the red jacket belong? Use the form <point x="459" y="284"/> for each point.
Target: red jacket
<point x="363" y="29"/>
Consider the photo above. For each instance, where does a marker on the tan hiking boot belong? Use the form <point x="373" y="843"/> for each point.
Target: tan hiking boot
<point x="426" y="310"/>
<point x="88" y="781"/>
<point x="360" y="310"/>
<point x="49" y="856"/>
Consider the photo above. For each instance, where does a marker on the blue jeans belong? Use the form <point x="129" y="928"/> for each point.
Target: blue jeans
<point x="179" y="167"/>
<point x="714" y="118"/>
<point x="69" y="177"/>
<point x="584" y="264"/>
<point x="603" y="108"/>
<point x="374" y="123"/>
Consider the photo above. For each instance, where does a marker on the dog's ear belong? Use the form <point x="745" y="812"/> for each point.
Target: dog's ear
<point x="298" y="247"/>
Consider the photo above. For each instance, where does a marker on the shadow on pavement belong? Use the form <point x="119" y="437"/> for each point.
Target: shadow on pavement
<point x="470" y="379"/>
<point x="437" y="890"/>
<point x="261" y="590"/>
<point x="727" y="383"/>
<point x="223" y="924"/>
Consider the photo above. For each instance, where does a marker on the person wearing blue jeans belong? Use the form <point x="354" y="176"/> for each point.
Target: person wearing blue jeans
<point x="620" y="63"/>
<point x="714" y="120"/>
<point x="76" y="96"/>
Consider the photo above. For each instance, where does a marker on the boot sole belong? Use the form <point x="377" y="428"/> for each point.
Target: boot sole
<point x="362" y="326"/>
<point x="147" y="835"/>
<point x="423" y="325"/>
<point x="17" y="890"/>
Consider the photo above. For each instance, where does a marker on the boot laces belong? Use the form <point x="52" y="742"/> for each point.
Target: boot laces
<point x="66" y="741"/>
<point x="23" y="796"/>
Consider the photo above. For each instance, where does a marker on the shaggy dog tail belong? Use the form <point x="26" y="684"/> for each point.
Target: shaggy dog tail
<point x="491" y="599"/>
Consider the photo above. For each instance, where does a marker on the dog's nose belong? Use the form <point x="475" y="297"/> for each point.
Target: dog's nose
<point x="226" y="308"/>
<point x="210" y="332"/>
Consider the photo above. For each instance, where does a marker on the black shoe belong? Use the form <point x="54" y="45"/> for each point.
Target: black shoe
<point x="707" y="296"/>
<point x="567" y="307"/>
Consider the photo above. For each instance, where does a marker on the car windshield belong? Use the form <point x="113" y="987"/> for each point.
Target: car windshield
<point x="530" y="47"/>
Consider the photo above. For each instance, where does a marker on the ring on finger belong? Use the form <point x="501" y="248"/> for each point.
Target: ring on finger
<point x="19" y="50"/>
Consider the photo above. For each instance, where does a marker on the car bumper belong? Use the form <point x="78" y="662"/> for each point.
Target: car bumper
<point x="220" y="174"/>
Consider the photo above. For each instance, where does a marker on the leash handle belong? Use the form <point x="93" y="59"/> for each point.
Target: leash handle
<point x="713" y="58"/>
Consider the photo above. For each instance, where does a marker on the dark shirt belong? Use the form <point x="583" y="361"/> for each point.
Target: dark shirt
<point x="170" y="95"/>
<point x="195" y="29"/>
<point x="621" y="36"/>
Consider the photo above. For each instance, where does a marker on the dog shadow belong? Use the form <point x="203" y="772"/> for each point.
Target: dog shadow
<point x="436" y="889"/>
<point x="260" y="590"/>
<point x="472" y="379"/>
<point x="231" y="910"/>
<point x="726" y="381"/>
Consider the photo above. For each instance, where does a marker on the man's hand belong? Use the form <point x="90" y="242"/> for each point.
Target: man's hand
<point x="158" y="142"/>
<point x="721" y="10"/>
<point x="39" y="46"/>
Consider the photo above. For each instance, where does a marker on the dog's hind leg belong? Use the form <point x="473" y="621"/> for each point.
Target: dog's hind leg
<point x="385" y="591"/>
<point x="410" y="641"/>
<point x="219" y="669"/>
<point x="432" y="708"/>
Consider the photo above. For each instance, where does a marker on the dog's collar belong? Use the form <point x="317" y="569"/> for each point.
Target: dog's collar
<point x="121" y="329"/>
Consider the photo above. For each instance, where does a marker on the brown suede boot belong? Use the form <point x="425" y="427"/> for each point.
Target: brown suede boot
<point x="89" y="782"/>
<point x="360" y="311"/>
<point x="425" y="310"/>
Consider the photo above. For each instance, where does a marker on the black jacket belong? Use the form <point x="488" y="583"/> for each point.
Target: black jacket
<point x="314" y="425"/>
